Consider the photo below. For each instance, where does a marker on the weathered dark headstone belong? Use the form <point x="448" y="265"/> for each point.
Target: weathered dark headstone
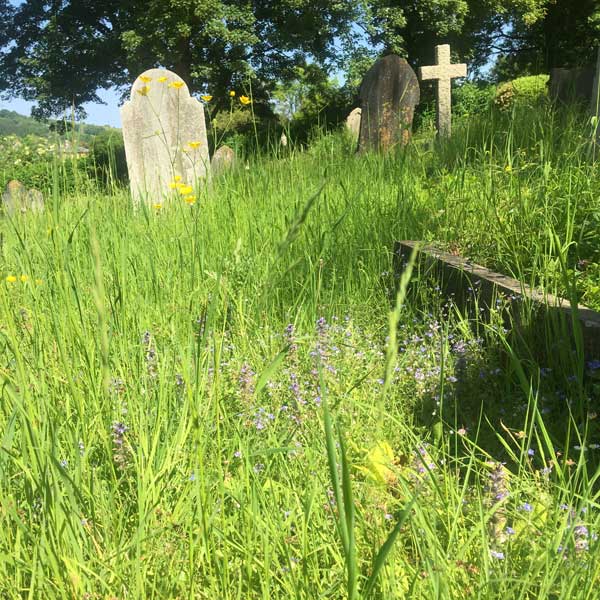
<point x="17" y="199"/>
<point x="389" y="93"/>
<point x="571" y="85"/>
<point x="223" y="160"/>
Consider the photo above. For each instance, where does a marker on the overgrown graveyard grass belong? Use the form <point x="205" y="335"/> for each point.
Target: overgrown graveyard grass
<point x="241" y="399"/>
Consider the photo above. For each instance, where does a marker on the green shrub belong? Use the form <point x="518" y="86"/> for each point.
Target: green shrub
<point x="523" y="91"/>
<point x="472" y="98"/>
<point x="107" y="156"/>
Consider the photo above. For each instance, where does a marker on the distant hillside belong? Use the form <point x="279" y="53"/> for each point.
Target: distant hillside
<point x="13" y="123"/>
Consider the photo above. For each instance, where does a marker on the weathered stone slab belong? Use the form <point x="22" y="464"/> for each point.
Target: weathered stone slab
<point x="165" y="137"/>
<point x="571" y="85"/>
<point x="17" y="199"/>
<point x="223" y="160"/>
<point x="353" y="122"/>
<point x="389" y="93"/>
<point x="465" y="281"/>
<point x="443" y="72"/>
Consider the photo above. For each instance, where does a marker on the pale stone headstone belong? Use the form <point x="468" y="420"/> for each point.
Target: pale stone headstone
<point x="443" y="72"/>
<point x="283" y="140"/>
<point x="223" y="160"/>
<point x="17" y="199"/>
<point x="353" y="122"/>
<point x="389" y="93"/>
<point x="165" y="137"/>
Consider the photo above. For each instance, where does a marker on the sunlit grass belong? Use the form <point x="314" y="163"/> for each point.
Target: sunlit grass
<point x="201" y="401"/>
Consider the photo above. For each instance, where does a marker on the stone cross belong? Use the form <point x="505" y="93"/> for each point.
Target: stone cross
<point x="165" y="139"/>
<point x="443" y="72"/>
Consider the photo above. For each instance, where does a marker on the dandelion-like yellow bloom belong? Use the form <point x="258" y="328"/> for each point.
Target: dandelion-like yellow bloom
<point x="194" y="145"/>
<point x="206" y="97"/>
<point x="24" y="278"/>
<point x="11" y="279"/>
<point x="144" y="90"/>
<point x="245" y="100"/>
<point x="185" y="190"/>
<point x="145" y="78"/>
<point x="176" y="84"/>
<point x="157" y="206"/>
<point x="190" y="200"/>
<point x="177" y="178"/>
<point x="162" y="79"/>
<point x="232" y="93"/>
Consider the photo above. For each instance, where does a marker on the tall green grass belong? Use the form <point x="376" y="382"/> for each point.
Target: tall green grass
<point x="220" y="401"/>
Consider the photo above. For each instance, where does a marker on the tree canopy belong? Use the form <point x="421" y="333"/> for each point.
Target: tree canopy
<point x="59" y="53"/>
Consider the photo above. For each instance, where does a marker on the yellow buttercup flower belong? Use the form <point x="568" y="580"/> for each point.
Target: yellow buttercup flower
<point x="185" y="190"/>
<point x="194" y="145"/>
<point x="145" y="78"/>
<point x="24" y="278"/>
<point x="11" y="279"/>
<point x="157" y="206"/>
<point x="176" y="84"/>
<point x="206" y="97"/>
<point x="190" y="200"/>
<point x="162" y="79"/>
<point x="177" y="178"/>
<point x="232" y="93"/>
<point x="144" y="90"/>
<point x="245" y="100"/>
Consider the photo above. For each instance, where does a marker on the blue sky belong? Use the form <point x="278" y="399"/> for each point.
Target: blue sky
<point x="98" y="114"/>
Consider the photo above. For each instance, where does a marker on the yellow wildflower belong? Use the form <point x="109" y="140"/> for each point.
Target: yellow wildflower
<point x="24" y="278"/>
<point x="11" y="279"/>
<point x="177" y="178"/>
<point x="245" y="100"/>
<point x="508" y="168"/>
<point x="145" y="78"/>
<point x="194" y="145"/>
<point x="206" y="97"/>
<point x="157" y="206"/>
<point x="232" y="93"/>
<point x="38" y="282"/>
<point x="161" y="79"/>
<point x="144" y="90"/>
<point x="190" y="200"/>
<point x="185" y="190"/>
<point x="176" y="84"/>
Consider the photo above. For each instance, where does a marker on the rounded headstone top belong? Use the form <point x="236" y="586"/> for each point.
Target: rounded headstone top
<point x="157" y="81"/>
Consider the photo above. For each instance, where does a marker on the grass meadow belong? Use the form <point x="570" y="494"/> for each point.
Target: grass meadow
<point x="241" y="398"/>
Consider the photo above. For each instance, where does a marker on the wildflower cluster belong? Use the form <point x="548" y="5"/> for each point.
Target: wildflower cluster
<point x="185" y="190"/>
